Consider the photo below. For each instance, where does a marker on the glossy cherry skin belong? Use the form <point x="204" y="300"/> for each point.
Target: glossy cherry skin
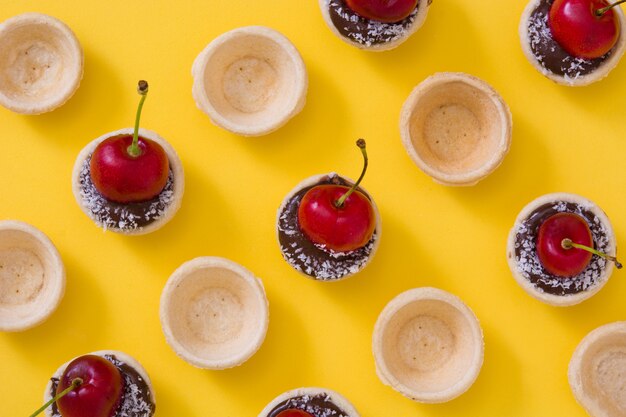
<point x="294" y="412"/>
<point x="342" y="229"/>
<point x="100" y="393"/>
<point x="575" y="26"/>
<point x="123" y="178"/>
<point x="556" y="260"/>
<point x="388" y="11"/>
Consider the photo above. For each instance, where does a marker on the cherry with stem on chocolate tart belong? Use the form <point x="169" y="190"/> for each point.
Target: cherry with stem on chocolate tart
<point x="338" y="218"/>
<point x="294" y="412"/>
<point x="90" y="386"/>
<point x="387" y="11"/>
<point x="76" y="382"/>
<point x="565" y="245"/>
<point x="586" y="29"/>
<point x="129" y="169"/>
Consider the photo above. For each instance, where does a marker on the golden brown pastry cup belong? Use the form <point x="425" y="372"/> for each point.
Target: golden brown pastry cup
<point x="32" y="276"/>
<point x="250" y="81"/>
<point x="456" y="128"/>
<point x="596" y="371"/>
<point x="41" y="63"/>
<point x="214" y="313"/>
<point x="428" y="345"/>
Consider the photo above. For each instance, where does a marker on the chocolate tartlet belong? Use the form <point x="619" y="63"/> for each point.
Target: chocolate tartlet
<point x="371" y="34"/>
<point x="550" y="59"/>
<point x="310" y="259"/>
<point x="131" y="218"/>
<point x="137" y="398"/>
<point x="318" y="402"/>
<point x="528" y="270"/>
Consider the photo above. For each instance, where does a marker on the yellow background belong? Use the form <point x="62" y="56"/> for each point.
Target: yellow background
<point x="564" y="139"/>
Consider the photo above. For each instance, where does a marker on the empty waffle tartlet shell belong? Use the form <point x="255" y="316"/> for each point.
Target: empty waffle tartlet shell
<point x="448" y="153"/>
<point x="428" y="345"/>
<point x="214" y="313"/>
<point x="552" y="299"/>
<point x="34" y="276"/>
<point x="315" y="180"/>
<point x="41" y="63"/>
<point x="595" y="372"/>
<point x="123" y="357"/>
<point x="420" y="18"/>
<point x="334" y="397"/>
<point x="250" y="80"/>
<point x="175" y="165"/>
<point x="596" y="75"/>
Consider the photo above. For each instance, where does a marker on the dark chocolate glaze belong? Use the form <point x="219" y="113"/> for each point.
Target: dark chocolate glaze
<point x="319" y="405"/>
<point x="136" y="399"/>
<point x="525" y="249"/>
<point x="304" y="255"/>
<point x="365" y="31"/>
<point x="123" y="216"/>
<point x="550" y="54"/>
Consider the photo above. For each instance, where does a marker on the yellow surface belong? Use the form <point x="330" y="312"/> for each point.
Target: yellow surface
<point x="564" y="139"/>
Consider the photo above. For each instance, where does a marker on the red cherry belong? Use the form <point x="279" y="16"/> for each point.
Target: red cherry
<point x="341" y="219"/>
<point x="556" y="259"/>
<point x="128" y="168"/>
<point x="388" y="11"/>
<point x="294" y="412"/>
<point x="124" y="178"/>
<point x="340" y="229"/>
<point x="98" y="395"/>
<point x="584" y="28"/>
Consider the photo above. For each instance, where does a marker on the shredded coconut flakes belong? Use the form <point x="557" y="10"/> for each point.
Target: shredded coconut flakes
<point x="304" y="403"/>
<point x="114" y="216"/>
<point x="372" y="31"/>
<point x="541" y="39"/>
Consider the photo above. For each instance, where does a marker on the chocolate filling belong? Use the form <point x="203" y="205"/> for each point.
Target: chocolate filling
<point x="531" y="268"/>
<point x="304" y="255"/>
<point x="364" y="31"/>
<point x="136" y="399"/>
<point x="118" y="216"/>
<point x="319" y="405"/>
<point x="550" y="54"/>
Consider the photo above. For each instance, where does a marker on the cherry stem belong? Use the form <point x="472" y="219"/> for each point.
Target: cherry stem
<point x="361" y="144"/>
<point x="600" y="12"/>
<point x="133" y="149"/>
<point x="76" y="382"/>
<point x="568" y="244"/>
